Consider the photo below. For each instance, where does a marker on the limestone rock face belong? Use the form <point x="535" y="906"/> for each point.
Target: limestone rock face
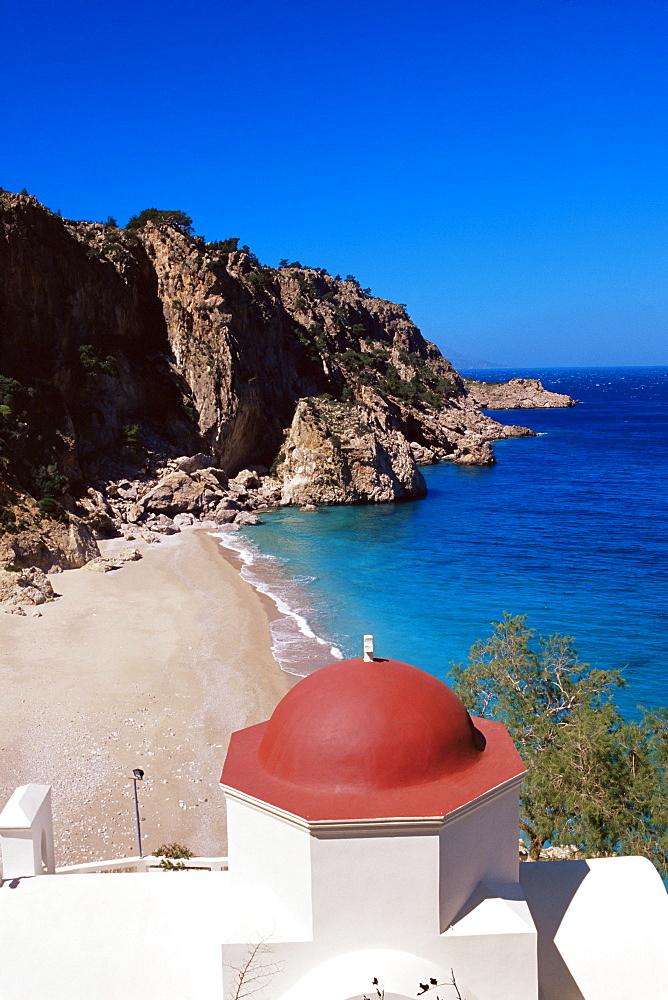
<point x="346" y="454"/>
<point x="246" y="518"/>
<point x="230" y="343"/>
<point x="475" y="450"/>
<point x="178" y="493"/>
<point x="193" y="463"/>
<point x="516" y="394"/>
<point x="98" y="514"/>
<point x="50" y="546"/>
<point x="458" y="432"/>
<point x="422" y="454"/>
<point x="147" y="368"/>
<point x="246" y="480"/>
<point x="103" y="564"/>
<point x="81" y="316"/>
<point x="26" y="586"/>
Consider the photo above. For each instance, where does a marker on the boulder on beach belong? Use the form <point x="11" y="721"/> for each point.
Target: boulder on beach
<point x="25" y="586"/>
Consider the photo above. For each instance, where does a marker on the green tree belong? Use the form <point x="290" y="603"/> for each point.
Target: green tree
<point x="594" y="780"/>
<point x="130" y="436"/>
<point x="50" y="509"/>
<point x="159" y="215"/>
<point x="224" y="246"/>
<point x="94" y="362"/>
<point x="49" y="482"/>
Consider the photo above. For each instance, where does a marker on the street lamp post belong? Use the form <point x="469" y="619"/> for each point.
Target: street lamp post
<point x="138" y="774"/>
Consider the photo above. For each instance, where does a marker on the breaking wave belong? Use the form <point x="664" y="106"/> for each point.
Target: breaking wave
<point x="294" y="644"/>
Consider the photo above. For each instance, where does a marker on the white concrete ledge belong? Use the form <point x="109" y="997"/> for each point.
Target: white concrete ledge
<point x="149" y="863"/>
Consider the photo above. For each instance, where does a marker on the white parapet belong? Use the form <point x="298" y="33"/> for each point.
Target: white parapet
<point x="26" y="833"/>
<point x="602" y="928"/>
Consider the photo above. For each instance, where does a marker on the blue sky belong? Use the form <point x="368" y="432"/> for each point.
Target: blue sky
<point x="501" y="167"/>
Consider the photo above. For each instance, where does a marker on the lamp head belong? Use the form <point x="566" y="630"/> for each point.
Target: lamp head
<point x="138" y="773"/>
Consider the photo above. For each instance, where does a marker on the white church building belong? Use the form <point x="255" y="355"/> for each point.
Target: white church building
<point x="372" y="835"/>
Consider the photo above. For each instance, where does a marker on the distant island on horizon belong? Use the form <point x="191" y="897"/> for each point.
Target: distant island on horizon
<point x="467" y="361"/>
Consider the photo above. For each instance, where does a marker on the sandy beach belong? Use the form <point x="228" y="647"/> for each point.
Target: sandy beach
<point x="154" y="666"/>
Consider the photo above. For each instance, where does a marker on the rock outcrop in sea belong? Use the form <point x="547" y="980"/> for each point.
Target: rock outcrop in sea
<point x="516" y="394"/>
<point x="123" y="351"/>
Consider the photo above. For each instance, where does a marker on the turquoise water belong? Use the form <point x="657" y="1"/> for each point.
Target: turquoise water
<point x="569" y="528"/>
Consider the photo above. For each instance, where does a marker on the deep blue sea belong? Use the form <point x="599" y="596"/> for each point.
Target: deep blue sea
<point x="569" y="528"/>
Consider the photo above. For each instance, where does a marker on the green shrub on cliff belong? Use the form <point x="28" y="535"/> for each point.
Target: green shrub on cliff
<point x="224" y="246"/>
<point x="172" y="216"/>
<point x="94" y="362"/>
<point x="27" y="430"/>
<point x="595" y="780"/>
<point x="130" y="436"/>
<point x="13" y="404"/>
<point x="306" y="287"/>
<point x="221" y="249"/>
<point x="31" y="442"/>
<point x="374" y="367"/>
<point x="49" y="482"/>
<point x="262" y="280"/>
<point x="8" y="521"/>
<point x="51" y="510"/>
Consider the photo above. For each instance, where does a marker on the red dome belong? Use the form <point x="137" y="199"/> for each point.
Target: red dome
<point x="359" y="725"/>
<point x="369" y="740"/>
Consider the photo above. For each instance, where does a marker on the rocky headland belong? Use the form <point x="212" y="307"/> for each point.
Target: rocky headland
<point x="149" y="379"/>
<point x="516" y="394"/>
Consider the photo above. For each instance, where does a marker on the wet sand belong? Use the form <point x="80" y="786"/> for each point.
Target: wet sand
<point x="151" y="666"/>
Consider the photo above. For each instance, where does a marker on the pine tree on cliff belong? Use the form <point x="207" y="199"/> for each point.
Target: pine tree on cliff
<point x="174" y="217"/>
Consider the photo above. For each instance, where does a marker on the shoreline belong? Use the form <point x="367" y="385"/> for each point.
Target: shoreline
<point x="152" y="666"/>
<point x="232" y="557"/>
<point x="296" y="647"/>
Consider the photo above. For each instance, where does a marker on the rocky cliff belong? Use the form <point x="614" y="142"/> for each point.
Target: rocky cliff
<point x="121" y="350"/>
<point x="516" y="394"/>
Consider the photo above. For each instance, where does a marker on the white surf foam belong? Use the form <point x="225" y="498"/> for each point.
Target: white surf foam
<point x="296" y="647"/>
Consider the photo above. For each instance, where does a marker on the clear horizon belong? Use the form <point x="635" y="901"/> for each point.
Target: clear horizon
<point x="499" y="168"/>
